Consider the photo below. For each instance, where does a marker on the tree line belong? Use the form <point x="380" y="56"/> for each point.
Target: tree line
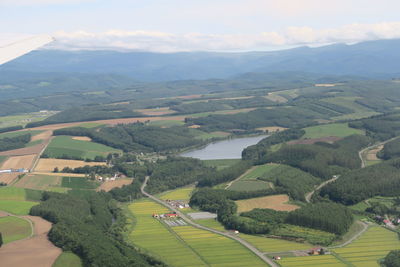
<point x="8" y="143"/>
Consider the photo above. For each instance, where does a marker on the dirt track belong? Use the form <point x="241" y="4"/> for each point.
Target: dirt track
<point x="37" y="251"/>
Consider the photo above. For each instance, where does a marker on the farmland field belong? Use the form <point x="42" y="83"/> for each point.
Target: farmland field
<point x="258" y="171"/>
<point x="349" y="102"/>
<point x="151" y="235"/>
<point x="66" y="145"/>
<point x="166" y="123"/>
<point x="306" y="261"/>
<point x="217" y="250"/>
<point x="266" y="244"/>
<point x="211" y="223"/>
<point x="334" y="129"/>
<point x="14" y="228"/>
<point x="16" y="162"/>
<point x="373" y="245"/>
<point x="185" y="245"/>
<point x="48" y="165"/>
<point x="41" y="182"/>
<point x="249" y="185"/>
<point x="78" y="183"/>
<point x="178" y="194"/>
<point x="276" y="202"/>
<point x="12" y="193"/>
<point x="18" y="133"/>
<point x="68" y="259"/>
<point x="17" y="207"/>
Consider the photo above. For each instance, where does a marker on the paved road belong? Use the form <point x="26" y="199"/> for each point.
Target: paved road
<point x="310" y="194"/>
<point x="189" y="221"/>
<point x="365" y="227"/>
<point x="361" y="152"/>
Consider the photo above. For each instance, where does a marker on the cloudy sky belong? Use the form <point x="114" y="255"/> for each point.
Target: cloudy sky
<point x="192" y="25"/>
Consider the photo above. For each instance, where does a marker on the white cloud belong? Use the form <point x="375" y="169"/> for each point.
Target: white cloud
<point x="39" y="2"/>
<point x="167" y="42"/>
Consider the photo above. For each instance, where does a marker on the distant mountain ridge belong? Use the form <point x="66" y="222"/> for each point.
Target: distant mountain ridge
<point x="373" y="59"/>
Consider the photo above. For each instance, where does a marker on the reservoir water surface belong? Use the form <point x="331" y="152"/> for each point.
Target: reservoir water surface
<point x="226" y="149"/>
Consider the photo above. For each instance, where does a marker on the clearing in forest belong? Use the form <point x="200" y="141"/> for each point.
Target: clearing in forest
<point x="328" y="130"/>
<point x="276" y="202"/>
<point x="107" y="186"/>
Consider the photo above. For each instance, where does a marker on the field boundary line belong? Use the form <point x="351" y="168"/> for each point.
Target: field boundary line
<point x="31" y="224"/>
<point x="357" y="235"/>
<point x="240" y="177"/>
<point x="189" y="221"/>
<point x="177" y="236"/>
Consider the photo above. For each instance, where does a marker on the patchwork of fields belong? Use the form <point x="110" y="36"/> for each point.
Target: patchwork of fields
<point x="185" y="245"/>
<point x="373" y="245"/>
<point x="249" y="182"/>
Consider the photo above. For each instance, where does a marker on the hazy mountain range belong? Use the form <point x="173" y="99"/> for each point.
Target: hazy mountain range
<point x="374" y="59"/>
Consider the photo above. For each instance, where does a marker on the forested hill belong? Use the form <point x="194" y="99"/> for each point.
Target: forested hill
<point x="368" y="59"/>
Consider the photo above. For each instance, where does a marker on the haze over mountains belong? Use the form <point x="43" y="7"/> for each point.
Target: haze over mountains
<point x="373" y="59"/>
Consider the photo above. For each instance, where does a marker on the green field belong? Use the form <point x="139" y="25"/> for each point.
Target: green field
<point x="308" y="261"/>
<point x="361" y="206"/>
<point x="307" y="234"/>
<point x="185" y="245"/>
<point x="221" y="163"/>
<point x="334" y="129"/>
<point x="78" y="183"/>
<point x="178" y="194"/>
<point x="68" y="259"/>
<point x="65" y="145"/>
<point x="12" y="193"/>
<point x="166" y="123"/>
<point x="14" y="228"/>
<point x="349" y="102"/>
<point x="258" y="171"/>
<point x="40" y="182"/>
<point x="2" y="159"/>
<point x="211" y="223"/>
<point x="373" y="245"/>
<point x="217" y="250"/>
<point x="154" y="237"/>
<point x="249" y="185"/>
<point x="14" y="134"/>
<point x="266" y="244"/>
<point x="249" y="182"/>
<point x="17" y="207"/>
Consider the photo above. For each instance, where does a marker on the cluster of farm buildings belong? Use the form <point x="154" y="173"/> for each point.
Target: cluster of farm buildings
<point x="165" y="215"/>
<point x="177" y="204"/>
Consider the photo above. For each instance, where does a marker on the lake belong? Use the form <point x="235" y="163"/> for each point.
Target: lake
<point x="226" y="149"/>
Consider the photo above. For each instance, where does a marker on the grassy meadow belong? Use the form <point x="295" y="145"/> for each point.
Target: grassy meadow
<point x="272" y="245"/>
<point x="178" y="194"/>
<point x="221" y="163"/>
<point x="334" y="129"/>
<point x="65" y="145"/>
<point x="68" y="259"/>
<point x="14" y="228"/>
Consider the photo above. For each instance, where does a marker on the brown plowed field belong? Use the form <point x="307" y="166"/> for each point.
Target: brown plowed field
<point x="16" y="163"/>
<point x="156" y="111"/>
<point x="42" y="136"/>
<point x="82" y="138"/>
<point x="107" y="186"/>
<point x="329" y="139"/>
<point x="23" y="151"/>
<point x="277" y="202"/>
<point x="271" y="129"/>
<point x="48" y="165"/>
<point x="37" y="251"/>
<point x="372" y="153"/>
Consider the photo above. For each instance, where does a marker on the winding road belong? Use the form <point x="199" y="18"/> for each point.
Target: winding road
<point x="310" y="194"/>
<point x="190" y="222"/>
<point x="361" y="152"/>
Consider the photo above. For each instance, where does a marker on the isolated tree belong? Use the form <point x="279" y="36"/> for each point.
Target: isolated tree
<point x="56" y="169"/>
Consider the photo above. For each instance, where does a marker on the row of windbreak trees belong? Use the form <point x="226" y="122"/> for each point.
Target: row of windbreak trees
<point x="329" y="217"/>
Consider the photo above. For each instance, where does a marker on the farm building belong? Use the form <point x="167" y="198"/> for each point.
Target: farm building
<point x="177" y="204"/>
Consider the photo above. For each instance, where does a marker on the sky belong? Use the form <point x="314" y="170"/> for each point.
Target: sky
<point x="199" y="25"/>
